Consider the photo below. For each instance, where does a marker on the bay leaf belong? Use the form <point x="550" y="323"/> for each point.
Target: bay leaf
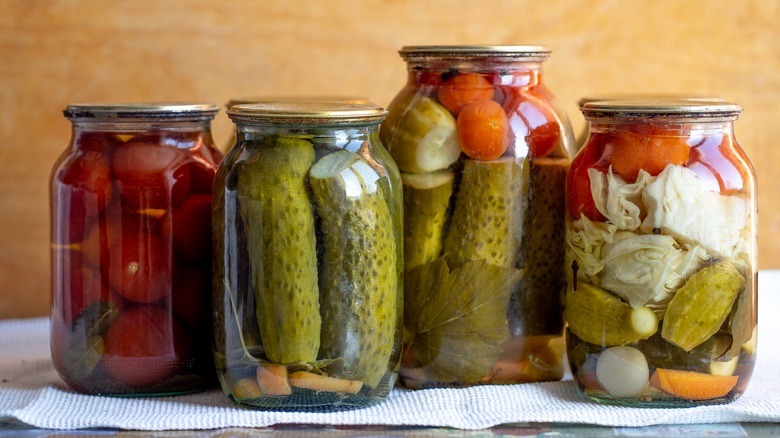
<point x="458" y="317"/>
<point x="84" y="344"/>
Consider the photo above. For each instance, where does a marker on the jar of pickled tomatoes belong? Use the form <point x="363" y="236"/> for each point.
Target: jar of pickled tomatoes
<point x="307" y="258"/>
<point x="483" y="152"/>
<point x="661" y="255"/>
<point x="131" y="249"/>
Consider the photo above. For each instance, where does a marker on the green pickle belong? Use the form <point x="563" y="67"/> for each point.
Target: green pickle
<point x="358" y="280"/>
<point x="426" y="208"/>
<point x="488" y="215"/>
<point x="702" y="304"/>
<point x="279" y="222"/>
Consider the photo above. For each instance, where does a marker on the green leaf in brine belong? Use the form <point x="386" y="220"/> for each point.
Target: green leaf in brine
<point x="84" y="341"/>
<point x="458" y="317"/>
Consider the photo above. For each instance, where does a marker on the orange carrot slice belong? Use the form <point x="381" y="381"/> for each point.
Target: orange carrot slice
<point x="272" y="380"/>
<point x="317" y="382"/>
<point x="691" y="385"/>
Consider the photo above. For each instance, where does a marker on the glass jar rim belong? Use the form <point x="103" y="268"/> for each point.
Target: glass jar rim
<point x="173" y="111"/>
<point x="661" y="108"/>
<point x="522" y="52"/>
<point x="307" y="113"/>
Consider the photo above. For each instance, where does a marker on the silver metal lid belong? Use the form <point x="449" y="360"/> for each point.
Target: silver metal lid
<point x="647" y="96"/>
<point x="661" y="108"/>
<point x="308" y="113"/>
<point x="179" y="111"/>
<point x="530" y="53"/>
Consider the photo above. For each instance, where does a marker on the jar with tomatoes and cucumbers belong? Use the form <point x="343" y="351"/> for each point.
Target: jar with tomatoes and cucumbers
<point x="308" y="260"/>
<point x="483" y="152"/>
<point x="661" y="264"/>
<point x="131" y="249"/>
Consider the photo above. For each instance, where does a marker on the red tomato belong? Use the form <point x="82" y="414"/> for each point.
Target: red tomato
<point x="427" y="78"/>
<point x="87" y="286"/>
<point x="483" y="130"/>
<point x="629" y="152"/>
<point x="202" y="176"/>
<point x="715" y="161"/>
<point x="188" y="227"/>
<point x="191" y="299"/>
<point x="578" y="193"/>
<point x="117" y="220"/>
<point x="463" y="89"/>
<point x="142" y="267"/>
<point x="150" y="174"/>
<point x="144" y="345"/>
<point x="81" y="189"/>
<point x="534" y="127"/>
<point x="104" y="142"/>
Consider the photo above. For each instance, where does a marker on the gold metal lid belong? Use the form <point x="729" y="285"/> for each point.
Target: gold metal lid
<point x="647" y="96"/>
<point x="269" y="99"/>
<point x="661" y="108"/>
<point x="179" y="111"/>
<point x="307" y="113"/>
<point x="529" y="53"/>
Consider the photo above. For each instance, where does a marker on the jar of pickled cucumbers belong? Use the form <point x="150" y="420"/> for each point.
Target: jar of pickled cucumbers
<point x="131" y="249"/>
<point x="661" y="255"/>
<point x="483" y="154"/>
<point x="308" y="258"/>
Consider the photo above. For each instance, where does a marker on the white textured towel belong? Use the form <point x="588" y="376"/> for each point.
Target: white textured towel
<point x="32" y="392"/>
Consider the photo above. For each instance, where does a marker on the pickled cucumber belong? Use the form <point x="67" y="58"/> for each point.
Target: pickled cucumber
<point x="536" y="307"/>
<point x="358" y="278"/>
<point x="420" y="134"/>
<point x="426" y="204"/>
<point x="488" y="216"/>
<point x="700" y="306"/>
<point x="598" y="317"/>
<point x="276" y="210"/>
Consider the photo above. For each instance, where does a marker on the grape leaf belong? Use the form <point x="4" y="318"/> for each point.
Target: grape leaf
<point x="458" y="318"/>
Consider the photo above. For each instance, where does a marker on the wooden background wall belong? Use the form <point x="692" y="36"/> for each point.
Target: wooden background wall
<point x="55" y="52"/>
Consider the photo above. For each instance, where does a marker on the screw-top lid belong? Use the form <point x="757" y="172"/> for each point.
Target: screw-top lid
<point x="661" y="108"/>
<point x="308" y="113"/>
<point x="529" y="53"/>
<point x="174" y="111"/>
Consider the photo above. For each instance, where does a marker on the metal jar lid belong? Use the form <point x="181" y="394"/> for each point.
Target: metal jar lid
<point x="685" y="109"/>
<point x="515" y="53"/>
<point x="308" y="113"/>
<point x="276" y="99"/>
<point x="171" y="111"/>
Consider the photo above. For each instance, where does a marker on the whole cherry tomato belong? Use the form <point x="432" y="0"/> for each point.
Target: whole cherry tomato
<point x="152" y="174"/>
<point x="188" y="227"/>
<point x="458" y="91"/>
<point x="191" y="298"/>
<point x="142" y="267"/>
<point x="104" y="142"/>
<point x="81" y="190"/>
<point x="629" y="151"/>
<point x="579" y="196"/>
<point x="483" y="130"/>
<point x="144" y="345"/>
<point x="534" y="127"/>
<point x="202" y="175"/>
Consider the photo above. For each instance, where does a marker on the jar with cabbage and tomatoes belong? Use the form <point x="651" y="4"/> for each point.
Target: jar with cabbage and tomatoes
<point x="661" y="255"/>
<point x="483" y="153"/>
<point x="131" y="249"/>
<point x="308" y="258"/>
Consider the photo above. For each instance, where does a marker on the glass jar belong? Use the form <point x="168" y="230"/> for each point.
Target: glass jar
<point x="483" y="153"/>
<point x="131" y="249"/>
<point x="247" y="100"/>
<point x="308" y="258"/>
<point x="661" y="255"/>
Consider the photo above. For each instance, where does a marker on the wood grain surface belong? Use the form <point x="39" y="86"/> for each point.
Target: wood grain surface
<point x="56" y="52"/>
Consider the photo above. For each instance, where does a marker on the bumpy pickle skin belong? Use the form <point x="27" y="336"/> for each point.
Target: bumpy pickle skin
<point x="488" y="215"/>
<point x="598" y="317"/>
<point x="275" y="205"/>
<point x="700" y="306"/>
<point x="358" y="279"/>
<point x="426" y="207"/>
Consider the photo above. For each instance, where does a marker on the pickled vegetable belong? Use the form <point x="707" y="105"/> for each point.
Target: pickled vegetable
<point x="691" y="385"/>
<point x="700" y="306"/>
<point x="541" y="252"/>
<point x="426" y="207"/>
<point x="420" y="134"/>
<point x="276" y="210"/>
<point x="488" y="215"/>
<point x="358" y="280"/>
<point x="598" y="317"/>
<point x="622" y="371"/>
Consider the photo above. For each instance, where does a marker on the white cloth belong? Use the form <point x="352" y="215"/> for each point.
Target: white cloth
<point x="32" y="392"/>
